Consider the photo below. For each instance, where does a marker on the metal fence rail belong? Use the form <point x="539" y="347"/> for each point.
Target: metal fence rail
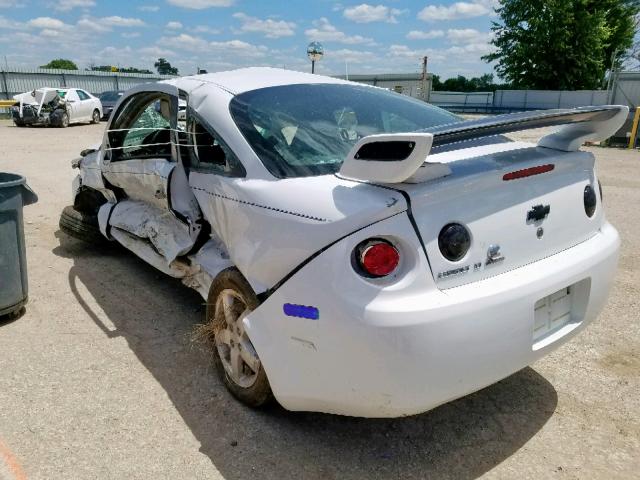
<point x="504" y="101"/>
<point x="15" y="80"/>
<point x="462" y="101"/>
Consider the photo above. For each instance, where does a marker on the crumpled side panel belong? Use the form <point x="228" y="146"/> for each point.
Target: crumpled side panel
<point x="211" y="259"/>
<point x="91" y="171"/>
<point x="145" y="180"/>
<point x="170" y="237"/>
<point x="146" y="252"/>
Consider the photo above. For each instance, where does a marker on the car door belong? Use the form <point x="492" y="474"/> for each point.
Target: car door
<point x="74" y="106"/>
<point x="155" y="203"/>
<point x="85" y="104"/>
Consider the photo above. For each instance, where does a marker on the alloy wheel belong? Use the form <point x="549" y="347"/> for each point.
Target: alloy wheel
<point x="236" y="352"/>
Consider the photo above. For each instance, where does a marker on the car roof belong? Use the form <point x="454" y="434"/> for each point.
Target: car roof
<point x="246" y="79"/>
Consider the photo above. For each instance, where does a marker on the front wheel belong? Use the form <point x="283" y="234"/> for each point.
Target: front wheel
<point x="231" y="298"/>
<point x="64" y="120"/>
<point x="95" y="118"/>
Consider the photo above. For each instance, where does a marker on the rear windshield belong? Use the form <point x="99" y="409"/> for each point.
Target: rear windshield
<point x="304" y="130"/>
<point x="110" y="96"/>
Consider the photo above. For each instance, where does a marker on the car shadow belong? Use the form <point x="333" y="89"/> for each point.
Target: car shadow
<point x="156" y="315"/>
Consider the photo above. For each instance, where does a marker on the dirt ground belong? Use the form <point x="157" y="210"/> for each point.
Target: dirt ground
<point x="99" y="378"/>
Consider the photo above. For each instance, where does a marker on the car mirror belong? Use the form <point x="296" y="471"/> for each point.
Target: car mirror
<point x="87" y="151"/>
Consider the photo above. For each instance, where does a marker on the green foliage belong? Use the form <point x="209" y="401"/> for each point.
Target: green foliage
<point x="110" y="68"/>
<point x="485" y="83"/>
<point x="164" y="68"/>
<point x="561" y="44"/>
<point x="61" y="64"/>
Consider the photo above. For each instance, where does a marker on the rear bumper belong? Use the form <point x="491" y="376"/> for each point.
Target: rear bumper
<point x="409" y="351"/>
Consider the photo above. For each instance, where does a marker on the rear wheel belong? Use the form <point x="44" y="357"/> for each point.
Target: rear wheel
<point x="231" y="298"/>
<point x="80" y="225"/>
<point x="95" y="118"/>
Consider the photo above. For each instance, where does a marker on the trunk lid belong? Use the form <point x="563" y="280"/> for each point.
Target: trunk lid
<point x="495" y="211"/>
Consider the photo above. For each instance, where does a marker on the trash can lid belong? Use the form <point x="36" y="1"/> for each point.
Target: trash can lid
<point x="11" y="180"/>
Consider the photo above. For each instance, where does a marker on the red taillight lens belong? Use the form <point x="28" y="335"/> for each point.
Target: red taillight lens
<point x="528" y="172"/>
<point x="377" y="258"/>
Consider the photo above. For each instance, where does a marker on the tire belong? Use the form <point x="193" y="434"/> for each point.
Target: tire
<point x="64" y="120"/>
<point x="250" y="387"/>
<point x="18" y="124"/>
<point x="95" y="118"/>
<point x="81" y="225"/>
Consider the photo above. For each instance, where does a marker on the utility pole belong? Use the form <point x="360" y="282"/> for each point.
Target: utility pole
<point x="424" y="94"/>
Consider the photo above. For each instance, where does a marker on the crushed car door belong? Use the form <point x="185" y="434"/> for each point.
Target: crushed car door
<point x="155" y="204"/>
<point x="74" y="106"/>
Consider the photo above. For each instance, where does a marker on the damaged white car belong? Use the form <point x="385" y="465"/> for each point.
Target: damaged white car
<point x="361" y="252"/>
<point x="57" y="107"/>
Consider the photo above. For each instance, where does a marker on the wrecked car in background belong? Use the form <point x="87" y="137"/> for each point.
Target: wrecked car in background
<point x="360" y="252"/>
<point x="57" y="107"/>
<point x="109" y="100"/>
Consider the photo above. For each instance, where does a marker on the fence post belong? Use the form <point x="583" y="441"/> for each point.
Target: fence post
<point x="5" y="85"/>
<point x="560" y="99"/>
<point x="117" y="82"/>
<point x="64" y="80"/>
<point x="526" y="94"/>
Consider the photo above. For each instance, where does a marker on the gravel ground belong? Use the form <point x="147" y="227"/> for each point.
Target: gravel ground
<point x="99" y="378"/>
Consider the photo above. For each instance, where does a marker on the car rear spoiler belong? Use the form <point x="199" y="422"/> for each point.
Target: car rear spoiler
<point x="394" y="158"/>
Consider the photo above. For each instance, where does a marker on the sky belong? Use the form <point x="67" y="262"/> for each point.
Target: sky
<point x="385" y="36"/>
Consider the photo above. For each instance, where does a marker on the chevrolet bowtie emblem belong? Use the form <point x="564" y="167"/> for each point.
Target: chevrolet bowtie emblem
<point x="538" y="213"/>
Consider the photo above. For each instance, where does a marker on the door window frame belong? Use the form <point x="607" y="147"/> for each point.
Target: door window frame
<point x="206" y="167"/>
<point x="160" y="89"/>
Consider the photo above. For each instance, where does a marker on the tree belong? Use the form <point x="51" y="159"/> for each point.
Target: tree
<point x="485" y="83"/>
<point x="165" y="68"/>
<point x="561" y="44"/>
<point x="61" y="64"/>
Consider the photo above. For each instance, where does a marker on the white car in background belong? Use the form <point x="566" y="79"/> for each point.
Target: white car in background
<point x="58" y="107"/>
<point x="360" y="252"/>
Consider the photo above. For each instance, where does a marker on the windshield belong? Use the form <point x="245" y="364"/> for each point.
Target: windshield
<point x="304" y="130"/>
<point x="110" y="96"/>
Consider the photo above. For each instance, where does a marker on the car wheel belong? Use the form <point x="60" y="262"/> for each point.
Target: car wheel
<point x="18" y="124"/>
<point x="96" y="116"/>
<point x="230" y="299"/>
<point x="64" y="120"/>
<point x="81" y="225"/>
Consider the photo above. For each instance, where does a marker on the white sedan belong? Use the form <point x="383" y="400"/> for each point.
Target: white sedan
<point x="58" y="107"/>
<point x="360" y="252"/>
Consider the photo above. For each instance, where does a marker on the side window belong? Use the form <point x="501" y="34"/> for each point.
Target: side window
<point x="142" y="128"/>
<point x="82" y="95"/>
<point x="208" y="152"/>
<point x="394" y="123"/>
<point x="71" y="96"/>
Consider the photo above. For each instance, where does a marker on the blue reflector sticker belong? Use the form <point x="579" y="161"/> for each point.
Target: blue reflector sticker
<point x="302" y="311"/>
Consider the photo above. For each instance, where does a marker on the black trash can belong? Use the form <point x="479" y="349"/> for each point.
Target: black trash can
<point x="14" y="194"/>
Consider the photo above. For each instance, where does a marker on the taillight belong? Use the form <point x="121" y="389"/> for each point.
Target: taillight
<point x="454" y="241"/>
<point x="590" y="200"/>
<point x="528" y="172"/>
<point x="376" y="257"/>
